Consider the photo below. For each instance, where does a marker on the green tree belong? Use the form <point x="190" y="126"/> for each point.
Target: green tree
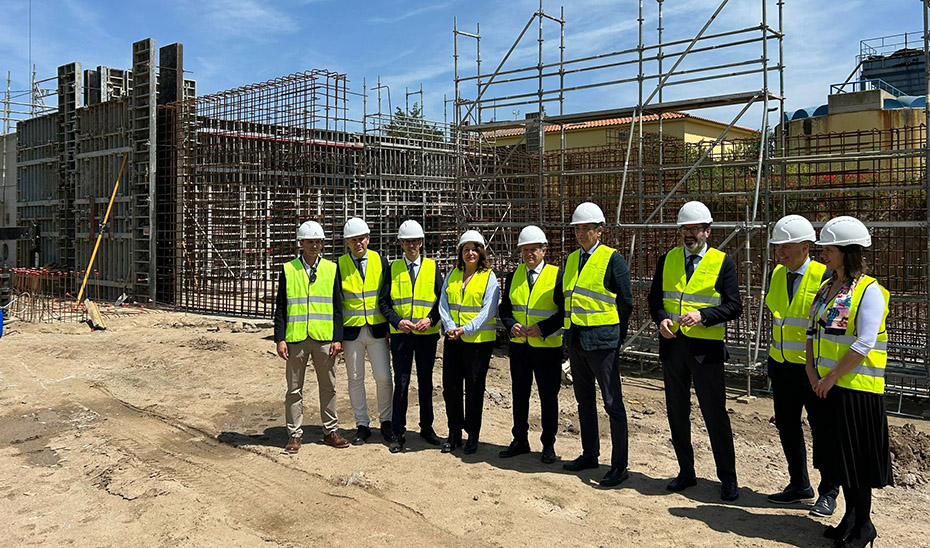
<point x="413" y="125"/>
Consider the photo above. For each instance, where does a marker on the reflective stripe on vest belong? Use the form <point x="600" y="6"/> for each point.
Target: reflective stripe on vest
<point x="790" y="319"/>
<point x="309" y="306"/>
<point x="360" y="298"/>
<point x="587" y="301"/>
<point x="829" y="348"/>
<point x="414" y="303"/>
<point x="465" y="304"/>
<point x="681" y="295"/>
<point x="532" y="306"/>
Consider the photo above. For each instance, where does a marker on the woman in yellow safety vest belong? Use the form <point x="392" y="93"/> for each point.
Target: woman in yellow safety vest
<point x="467" y="308"/>
<point x="847" y="348"/>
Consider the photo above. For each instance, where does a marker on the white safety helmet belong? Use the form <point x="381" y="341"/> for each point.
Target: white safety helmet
<point x="844" y="230"/>
<point x="409" y="230"/>
<point x="471" y="236"/>
<point x="792" y="229"/>
<point x="587" y="213"/>
<point x="694" y="213"/>
<point x="355" y="227"/>
<point x="532" y="235"/>
<point x="311" y="230"/>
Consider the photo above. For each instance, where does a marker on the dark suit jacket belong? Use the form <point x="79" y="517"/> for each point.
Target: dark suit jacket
<point x="548" y="326"/>
<point x="602" y="337"/>
<point x="379" y="330"/>
<point x="730" y="308"/>
<point x="386" y="304"/>
<point x="280" y="309"/>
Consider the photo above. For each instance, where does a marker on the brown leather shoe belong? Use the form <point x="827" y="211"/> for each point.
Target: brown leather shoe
<point x="333" y="439"/>
<point x="293" y="445"/>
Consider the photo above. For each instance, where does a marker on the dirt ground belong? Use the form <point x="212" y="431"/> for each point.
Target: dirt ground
<point x="167" y="430"/>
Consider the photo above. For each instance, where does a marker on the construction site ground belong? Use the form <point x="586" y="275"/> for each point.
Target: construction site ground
<point x="166" y="429"/>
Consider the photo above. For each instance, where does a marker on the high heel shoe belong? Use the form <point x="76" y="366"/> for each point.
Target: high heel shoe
<point x="862" y="538"/>
<point x="838" y="533"/>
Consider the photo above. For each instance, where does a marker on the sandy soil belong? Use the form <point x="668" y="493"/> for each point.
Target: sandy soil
<point x="166" y="430"/>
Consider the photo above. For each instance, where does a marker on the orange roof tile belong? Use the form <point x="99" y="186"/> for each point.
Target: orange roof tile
<point x="607" y="122"/>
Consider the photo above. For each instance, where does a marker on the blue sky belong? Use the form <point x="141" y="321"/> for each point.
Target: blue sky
<point x="229" y="43"/>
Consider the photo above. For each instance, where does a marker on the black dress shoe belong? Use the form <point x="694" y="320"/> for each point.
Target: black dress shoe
<point x="397" y="445"/>
<point x="430" y="436"/>
<point x="450" y="444"/>
<point x="387" y="430"/>
<point x="681" y="483"/>
<point x="791" y="495"/>
<point x="548" y="455"/>
<point x="615" y="476"/>
<point x="471" y="445"/>
<point x="825" y="506"/>
<point x="729" y="491"/>
<point x="581" y="463"/>
<point x="361" y="435"/>
<point x="515" y="448"/>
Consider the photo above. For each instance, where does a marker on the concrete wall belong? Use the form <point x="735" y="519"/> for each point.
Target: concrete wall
<point x="8" y="215"/>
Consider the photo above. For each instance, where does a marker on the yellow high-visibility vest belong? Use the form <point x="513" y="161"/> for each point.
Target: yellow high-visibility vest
<point x="309" y="305"/>
<point x="829" y="348"/>
<point x="465" y="304"/>
<point x="360" y="297"/>
<point x="414" y="303"/>
<point x="790" y="318"/>
<point x="587" y="301"/>
<point x="681" y="295"/>
<point x="533" y="306"/>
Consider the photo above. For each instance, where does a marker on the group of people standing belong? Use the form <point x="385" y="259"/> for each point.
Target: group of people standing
<point x="824" y="357"/>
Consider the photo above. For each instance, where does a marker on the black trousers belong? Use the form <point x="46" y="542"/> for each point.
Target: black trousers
<point x="546" y="365"/>
<point x="465" y="364"/>
<point x="792" y="393"/>
<point x="405" y="348"/>
<point x="601" y="367"/>
<point x="679" y="369"/>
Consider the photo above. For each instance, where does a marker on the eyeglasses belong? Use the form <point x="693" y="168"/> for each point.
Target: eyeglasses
<point x="695" y="230"/>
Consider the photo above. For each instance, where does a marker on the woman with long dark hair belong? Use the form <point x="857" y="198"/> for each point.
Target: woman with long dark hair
<point x="847" y="348"/>
<point x="467" y="307"/>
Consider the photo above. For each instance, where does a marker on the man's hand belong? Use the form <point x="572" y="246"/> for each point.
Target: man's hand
<point x="282" y="349"/>
<point x="517" y="330"/>
<point x="533" y="331"/>
<point x="690" y="319"/>
<point x="665" y="328"/>
<point x="455" y="333"/>
<point x="406" y="326"/>
<point x="423" y="325"/>
<point x="334" y="349"/>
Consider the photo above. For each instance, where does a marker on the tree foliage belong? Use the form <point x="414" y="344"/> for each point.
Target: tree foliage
<point x="412" y="125"/>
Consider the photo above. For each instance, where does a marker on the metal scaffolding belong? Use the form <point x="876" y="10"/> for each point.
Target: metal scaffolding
<point x="643" y="178"/>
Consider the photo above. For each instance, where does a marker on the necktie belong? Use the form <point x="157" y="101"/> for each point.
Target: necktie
<point x="584" y="259"/>
<point x="792" y="277"/>
<point x="689" y="266"/>
<point x="358" y="265"/>
<point x="531" y="278"/>
<point x="413" y="276"/>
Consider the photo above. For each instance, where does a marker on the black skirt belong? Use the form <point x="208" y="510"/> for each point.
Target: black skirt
<point x="857" y="448"/>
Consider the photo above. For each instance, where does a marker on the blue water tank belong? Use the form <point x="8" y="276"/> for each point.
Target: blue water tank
<point x="903" y="69"/>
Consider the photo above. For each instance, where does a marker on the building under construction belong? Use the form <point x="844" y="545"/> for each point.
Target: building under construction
<point x="214" y="186"/>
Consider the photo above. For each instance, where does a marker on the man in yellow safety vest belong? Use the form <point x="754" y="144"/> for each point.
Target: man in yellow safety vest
<point x="308" y="323"/>
<point x="694" y="293"/>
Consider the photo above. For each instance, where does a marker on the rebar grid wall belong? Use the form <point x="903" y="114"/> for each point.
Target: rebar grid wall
<point x="640" y="180"/>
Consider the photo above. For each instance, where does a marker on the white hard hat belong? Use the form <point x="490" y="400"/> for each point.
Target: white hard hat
<point x="471" y="236"/>
<point x="409" y="230"/>
<point x="844" y="230"/>
<point x="587" y="213"/>
<point x="355" y="227"/>
<point x="311" y="230"/>
<point x="694" y="213"/>
<point x="532" y="235"/>
<point x="792" y="229"/>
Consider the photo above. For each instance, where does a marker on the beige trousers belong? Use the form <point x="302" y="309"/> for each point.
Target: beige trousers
<point x="298" y="356"/>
